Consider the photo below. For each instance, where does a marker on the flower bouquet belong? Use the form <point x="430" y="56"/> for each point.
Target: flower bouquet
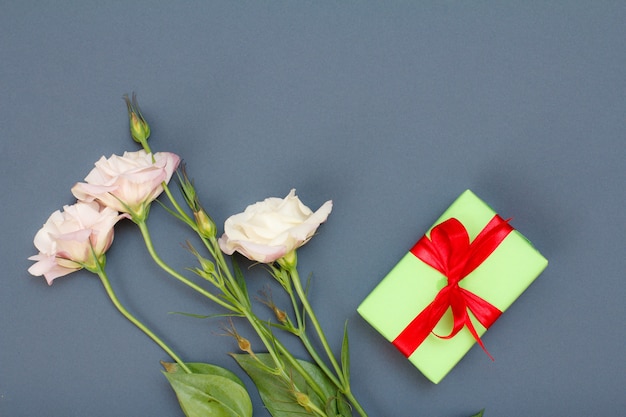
<point x="268" y="233"/>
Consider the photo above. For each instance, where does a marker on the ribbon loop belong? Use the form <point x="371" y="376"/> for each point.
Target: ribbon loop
<point x="449" y="251"/>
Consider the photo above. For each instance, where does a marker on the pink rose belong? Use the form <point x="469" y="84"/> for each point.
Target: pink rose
<point x="73" y="239"/>
<point x="128" y="183"/>
<point x="268" y="230"/>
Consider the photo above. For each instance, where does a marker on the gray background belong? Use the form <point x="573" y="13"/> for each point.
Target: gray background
<point x="389" y="110"/>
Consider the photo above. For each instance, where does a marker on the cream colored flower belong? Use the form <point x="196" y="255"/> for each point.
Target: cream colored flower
<point x="270" y="229"/>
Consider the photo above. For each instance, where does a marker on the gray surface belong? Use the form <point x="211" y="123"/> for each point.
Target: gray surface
<point x="391" y="111"/>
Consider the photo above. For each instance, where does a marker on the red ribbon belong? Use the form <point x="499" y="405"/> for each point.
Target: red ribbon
<point x="450" y="252"/>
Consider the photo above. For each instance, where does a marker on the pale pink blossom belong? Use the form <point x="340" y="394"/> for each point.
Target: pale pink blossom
<point x="268" y="230"/>
<point x="73" y="238"/>
<point x="128" y="183"/>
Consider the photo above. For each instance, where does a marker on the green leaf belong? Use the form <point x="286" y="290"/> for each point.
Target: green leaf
<point x="345" y="354"/>
<point x="338" y="406"/>
<point x="239" y="278"/>
<point x="480" y="413"/>
<point x="207" y="368"/>
<point x="201" y="316"/>
<point x="278" y="394"/>
<point x="209" y="391"/>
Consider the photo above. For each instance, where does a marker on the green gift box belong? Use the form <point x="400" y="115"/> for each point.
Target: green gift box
<point x="452" y="285"/>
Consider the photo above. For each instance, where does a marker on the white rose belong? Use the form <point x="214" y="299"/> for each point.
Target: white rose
<point x="127" y="183"/>
<point x="76" y="237"/>
<point x="270" y="229"/>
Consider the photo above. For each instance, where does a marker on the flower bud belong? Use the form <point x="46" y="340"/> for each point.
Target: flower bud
<point x="207" y="266"/>
<point x="139" y="128"/>
<point x="303" y="400"/>
<point x="289" y="261"/>
<point x="244" y="344"/>
<point x="206" y="226"/>
<point x="281" y="315"/>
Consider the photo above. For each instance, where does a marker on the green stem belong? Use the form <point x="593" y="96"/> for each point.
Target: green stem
<point x="355" y="403"/>
<point x="146" y="147"/>
<point x="223" y="268"/>
<point x="150" y="246"/>
<point x="344" y="384"/>
<point x="177" y="206"/>
<point x="318" y="360"/>
<point x="295" y="277"/>
<point x="258" y="327"/>
<point x="240" y="297"/>
<point x="304" y="338"/>
<point x="262" y="332"/>
<point x="253" y="322"/>
<point x="235" y="291"/>
<point x="107" y="286"/>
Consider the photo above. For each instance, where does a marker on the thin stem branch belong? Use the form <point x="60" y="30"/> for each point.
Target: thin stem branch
<point x="343" y="384"/>
<point x="259" y="327"/>
<point x="304" y="338"/>
<point x="295" y="278"/>
<point x="177" y="206"/>
<point x="150" y="246"/>
<point x="107" y="286"/>
<point x="232" y="290"/>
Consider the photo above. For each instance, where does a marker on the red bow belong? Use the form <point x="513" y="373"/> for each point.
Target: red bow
<point x="450" y="252"/>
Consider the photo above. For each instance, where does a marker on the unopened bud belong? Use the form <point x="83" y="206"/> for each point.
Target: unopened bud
<point x="244" y="344"/>
<point x="139" y="128"/>
<point x="303" y="400"/>
<point x="201" y="273"/>
<point x="281" y="316"/>
<point x="206" y="226"/>
<point x="288" y="261"/>
<point x="207" y="266"/>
